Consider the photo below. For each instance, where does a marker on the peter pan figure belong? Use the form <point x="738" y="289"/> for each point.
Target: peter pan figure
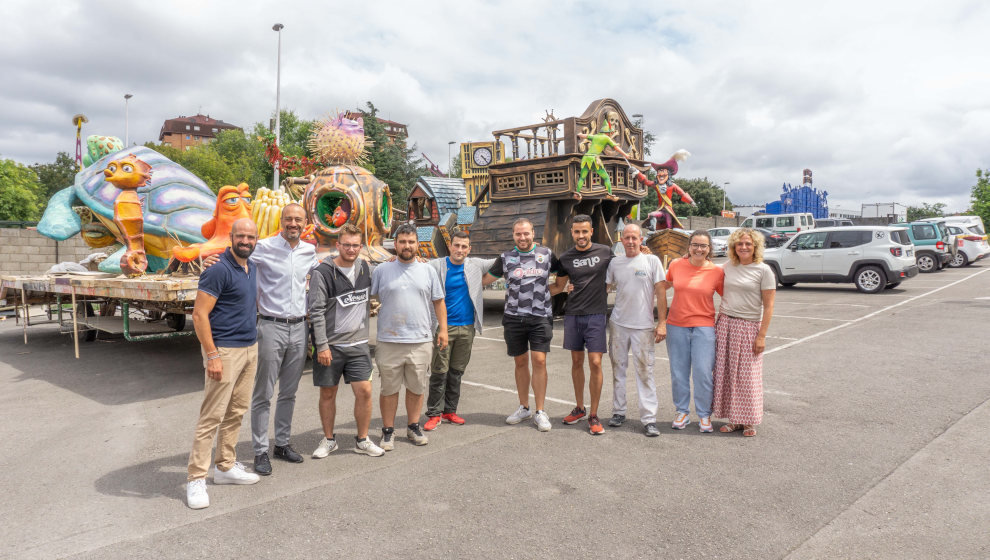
<point x="592" y="161"/>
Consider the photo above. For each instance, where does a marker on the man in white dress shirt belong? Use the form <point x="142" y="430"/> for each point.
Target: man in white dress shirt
<point x="283" y="263"/>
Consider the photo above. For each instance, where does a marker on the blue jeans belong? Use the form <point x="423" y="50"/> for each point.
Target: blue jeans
<point x="691" y="349"/>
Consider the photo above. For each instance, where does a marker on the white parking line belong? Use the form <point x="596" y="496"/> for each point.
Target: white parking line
<point x="775" y="316"/>
<point x="874" y="314"/>
<point x="816" y="303"/>
<point x="553" y="346"/>
<point x="513" y="391"/>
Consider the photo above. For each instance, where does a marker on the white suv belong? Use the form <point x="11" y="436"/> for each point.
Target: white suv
<point x="871" y="257"/>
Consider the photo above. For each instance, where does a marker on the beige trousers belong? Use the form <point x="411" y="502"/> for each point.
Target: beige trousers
<point x="224" y="404"/>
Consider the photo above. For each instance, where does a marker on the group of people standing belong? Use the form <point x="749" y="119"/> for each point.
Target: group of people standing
<point x="252" y="306"/>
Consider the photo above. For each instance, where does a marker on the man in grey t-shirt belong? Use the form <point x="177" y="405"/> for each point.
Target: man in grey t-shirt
<point x="404" y="347"/>
<point x="638" y="280"/>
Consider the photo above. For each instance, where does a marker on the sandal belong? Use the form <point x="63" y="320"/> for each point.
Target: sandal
<point x="749" y="431"/>
<point x="730" y="428"/>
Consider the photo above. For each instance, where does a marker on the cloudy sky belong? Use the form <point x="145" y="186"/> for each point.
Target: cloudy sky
<point x="886" y="101"/>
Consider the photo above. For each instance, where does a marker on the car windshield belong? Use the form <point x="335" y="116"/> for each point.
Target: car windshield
<point x="977" y="230"/>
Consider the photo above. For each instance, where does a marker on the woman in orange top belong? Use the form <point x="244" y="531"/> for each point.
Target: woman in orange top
<point x="691" y="330"/>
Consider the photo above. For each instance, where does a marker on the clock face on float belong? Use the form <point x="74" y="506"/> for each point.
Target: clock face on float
<point x="482" y="157"/>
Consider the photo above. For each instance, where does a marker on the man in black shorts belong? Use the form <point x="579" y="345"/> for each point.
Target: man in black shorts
<point x="584" y="265"/>
<point x="339" y="306"/>
<point x="528" y="316"/>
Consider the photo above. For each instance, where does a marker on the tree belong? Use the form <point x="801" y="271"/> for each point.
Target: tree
<point x="19" y="191"/>
<point x="706" y="195"/>
<point x="981" y="195"/>
<point x="926" y="210"/>
<point x="648" y="139"/>
<point x="55" y="176"/>
<point x="392" y="162"/>
<point x="455" y="167"/>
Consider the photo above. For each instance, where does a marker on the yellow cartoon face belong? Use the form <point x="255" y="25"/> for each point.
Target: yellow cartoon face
<point x="127" y="173"/>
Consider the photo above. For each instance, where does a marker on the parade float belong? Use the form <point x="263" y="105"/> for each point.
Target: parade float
<point x="548" y="172"/>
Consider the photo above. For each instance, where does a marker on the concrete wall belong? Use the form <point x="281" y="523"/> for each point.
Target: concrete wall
<point x="25" y="251"/>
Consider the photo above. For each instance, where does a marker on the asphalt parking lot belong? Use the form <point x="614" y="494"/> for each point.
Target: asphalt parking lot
<point x="874" y="445"/>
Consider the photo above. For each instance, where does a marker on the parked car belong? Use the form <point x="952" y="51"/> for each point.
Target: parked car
<point x="833" y="222"/>
<point x="971" y="238"/>
<point x="971" y="247"/>
<point x="871" y="257"/>
<point x="782" y="223"/>
<point x="933" y="247"/>
<point x="772" y="238"/>
<point x="722" y="233"/>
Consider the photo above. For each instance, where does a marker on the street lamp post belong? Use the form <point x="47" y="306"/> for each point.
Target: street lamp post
<point x="127" y="131"/>
<point x="450" y="162"/>
<point x="723" y="195"/>
<point x="277" y="28"/>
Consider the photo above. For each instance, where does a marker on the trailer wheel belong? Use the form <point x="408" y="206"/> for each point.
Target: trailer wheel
<point x="176" y="321"/>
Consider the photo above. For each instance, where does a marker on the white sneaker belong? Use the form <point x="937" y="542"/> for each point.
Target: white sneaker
<point x="236" y="475"/>
<point x="368" y="447"/>
<point x="326" y="447"/>
<point x="680" y="421"/>
<point x="522" y="413"/>
<point x="705" y="425"/>
<point x="542" y="421"/>
<point x="388" y="440"/>
<point x="196" y="496"/>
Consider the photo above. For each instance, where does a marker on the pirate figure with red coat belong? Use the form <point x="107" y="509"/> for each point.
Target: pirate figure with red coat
<point x="665" y="187"/>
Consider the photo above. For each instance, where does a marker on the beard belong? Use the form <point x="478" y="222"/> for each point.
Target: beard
<point x="242" y="250"/>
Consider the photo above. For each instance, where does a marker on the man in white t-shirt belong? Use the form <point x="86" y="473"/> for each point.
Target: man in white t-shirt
<point x="639" y="289"/>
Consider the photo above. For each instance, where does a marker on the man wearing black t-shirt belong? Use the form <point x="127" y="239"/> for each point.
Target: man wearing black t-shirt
<point x="584" y="266"/>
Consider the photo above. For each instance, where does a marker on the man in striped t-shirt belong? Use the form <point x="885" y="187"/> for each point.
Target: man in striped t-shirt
<point x="528" y="318"/>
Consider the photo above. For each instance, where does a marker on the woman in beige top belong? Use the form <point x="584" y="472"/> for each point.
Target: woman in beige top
<point x="741" y="332"/>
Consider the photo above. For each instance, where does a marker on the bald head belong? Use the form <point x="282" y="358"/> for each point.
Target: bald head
<point x="632" y="239"/>
<point x="243" y="237"/>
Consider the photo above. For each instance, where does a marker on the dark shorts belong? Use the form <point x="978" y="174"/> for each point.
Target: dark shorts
<point x="524" y="333"/>
<point x="353" y="362"/>
<point x="581" y="331"/>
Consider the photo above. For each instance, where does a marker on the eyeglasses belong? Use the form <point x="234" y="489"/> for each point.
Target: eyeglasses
<point x="350" y="246"/>
<point x="698" y="246"/>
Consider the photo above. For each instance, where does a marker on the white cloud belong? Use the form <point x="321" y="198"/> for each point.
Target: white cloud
<point x="884" y="101"/>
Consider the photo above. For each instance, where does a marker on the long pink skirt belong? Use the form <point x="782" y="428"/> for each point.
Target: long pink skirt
<point x="738" y="372"/>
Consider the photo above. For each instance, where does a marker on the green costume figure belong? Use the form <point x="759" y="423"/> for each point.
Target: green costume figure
<point x="592" y="161"/>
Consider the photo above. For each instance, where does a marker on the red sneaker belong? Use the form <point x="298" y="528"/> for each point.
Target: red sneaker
<point x="432" y="423"/>
<point x="453" y="418"/>
<point x="575" y="415"/>
<point x="595" y="426"/>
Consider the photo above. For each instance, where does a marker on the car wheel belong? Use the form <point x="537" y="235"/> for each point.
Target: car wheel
<point x="927" y="263"/>
<point x="893" y="285"/>
<point x="870" y="280"/>
<point x="959" y="261"/>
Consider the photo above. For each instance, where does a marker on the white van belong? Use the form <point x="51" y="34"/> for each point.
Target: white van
<point x="788" y="224"/>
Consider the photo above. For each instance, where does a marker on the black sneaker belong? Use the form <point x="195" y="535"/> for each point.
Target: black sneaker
<point x="651" y="430"/>
<point x="617" y="420"/>
<point x="287" y="453"/>
<point x="262" y="465"/>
